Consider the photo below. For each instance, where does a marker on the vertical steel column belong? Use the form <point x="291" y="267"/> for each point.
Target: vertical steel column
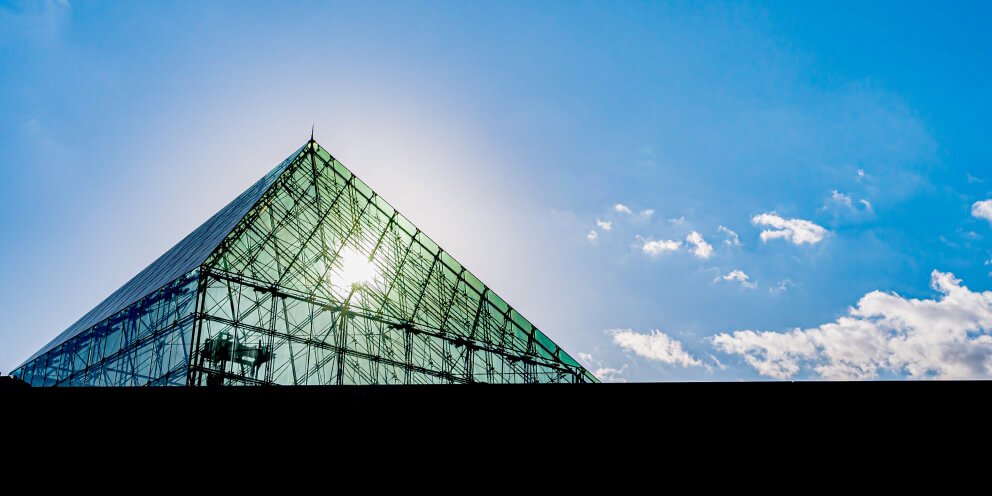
<point x="194" y="342"/>
<point x="341" y="340"/>
<point x="267" y="377"/>
<point x="407" y="355"/>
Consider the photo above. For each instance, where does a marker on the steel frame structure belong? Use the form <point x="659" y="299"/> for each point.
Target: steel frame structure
<point x="263" y="297"/>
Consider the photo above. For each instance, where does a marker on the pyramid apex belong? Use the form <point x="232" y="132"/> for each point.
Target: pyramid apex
<point x="312" y="144"/>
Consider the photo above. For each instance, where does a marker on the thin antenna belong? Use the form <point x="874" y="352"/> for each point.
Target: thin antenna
<point x="311" y="132"/>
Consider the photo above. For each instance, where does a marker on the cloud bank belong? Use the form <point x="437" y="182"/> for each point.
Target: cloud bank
<point x="655" y="248"/>
<point x="945" y="338"/>
<point x="982" y="210"/>
<point x="732" y="238"/>
<point x="739" y="276"/>
<point x="702" y="248"/>
<point x="796" y="231"/>
<point x="654" y="346"/>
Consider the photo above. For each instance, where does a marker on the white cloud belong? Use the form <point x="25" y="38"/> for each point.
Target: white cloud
<point x="796" y="231"/>
<point x="702" y="248"/>
<point x="655" y="248"/>
<point x="841" y="198"/>
<point x="847" y="201"/>
<point x="647" y="213"/>
<point x="982" y="210"/>
<point x="973" y="179"/>
<point x="945" y="338"/>
<point x="623" y="209"/>
<point x="739" y="276"/>
<point x="601" y="371"/>
<point x="781" y="286"/>
<point x="772" y="354"/>
<point x="604" y="224"/>
<point x="732" y="238"/>
<point x="592" y="235"/>
<point x="861" y="173"/>
<point x="655" y="346"/>
<point x="719" y="364"/>
<point x="607" y="374"/>
<point x="678" y="220"/>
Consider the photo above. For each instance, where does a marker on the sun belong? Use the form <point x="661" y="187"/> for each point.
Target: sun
<point x="356" y="272"/>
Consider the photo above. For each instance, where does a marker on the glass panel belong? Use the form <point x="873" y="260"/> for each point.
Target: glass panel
<point x="110" y="375"/>
<point x="428" y="244"/>
<point x="142" y="362"/>
<point x="179" y="357"/>
<point x="98" y="343"/>
<point x="160" y="354"/>
<point x="148" y="315"/>
<point x="125" y="367"/>
<point x="37" y="372"/>
<point x="186" y="296"/>
<point x="566" y="358"/>
<point x="82" y="353"/>
<point x="114" y="333"/>
<point x="94" y="376"/>
<point x="362" y="188"/>
<point x="130" y="330"/>
<point x="177" y="377"/>
<point x="406" y="225"/>
<point x="384" y="207"/>
<point x="167" y="307"/>
<point x="52" y="370"/>
<point x="66" y="363"/>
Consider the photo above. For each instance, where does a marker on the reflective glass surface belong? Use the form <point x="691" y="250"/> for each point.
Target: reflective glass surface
<point x="307" y="278"/>
<point x="182" y="258"/>
<point x="129" y="348"/>
<point x="331" y="285"/>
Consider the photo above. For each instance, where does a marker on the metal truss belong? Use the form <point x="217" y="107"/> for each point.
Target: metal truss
<point x="278" y="302"/>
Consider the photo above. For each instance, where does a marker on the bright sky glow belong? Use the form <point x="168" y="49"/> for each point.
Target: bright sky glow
<point x="356" y="272"/>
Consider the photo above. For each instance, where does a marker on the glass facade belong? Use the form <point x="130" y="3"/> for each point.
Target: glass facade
<point x="320" y="282"/>
<point x="145" y="343"/>
<point x="187" y="255"/>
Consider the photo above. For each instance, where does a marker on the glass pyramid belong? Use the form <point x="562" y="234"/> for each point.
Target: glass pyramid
<point x="307" y="278"/>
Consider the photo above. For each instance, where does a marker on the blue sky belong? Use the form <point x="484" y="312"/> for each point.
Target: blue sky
<point x="781" y="190"/>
